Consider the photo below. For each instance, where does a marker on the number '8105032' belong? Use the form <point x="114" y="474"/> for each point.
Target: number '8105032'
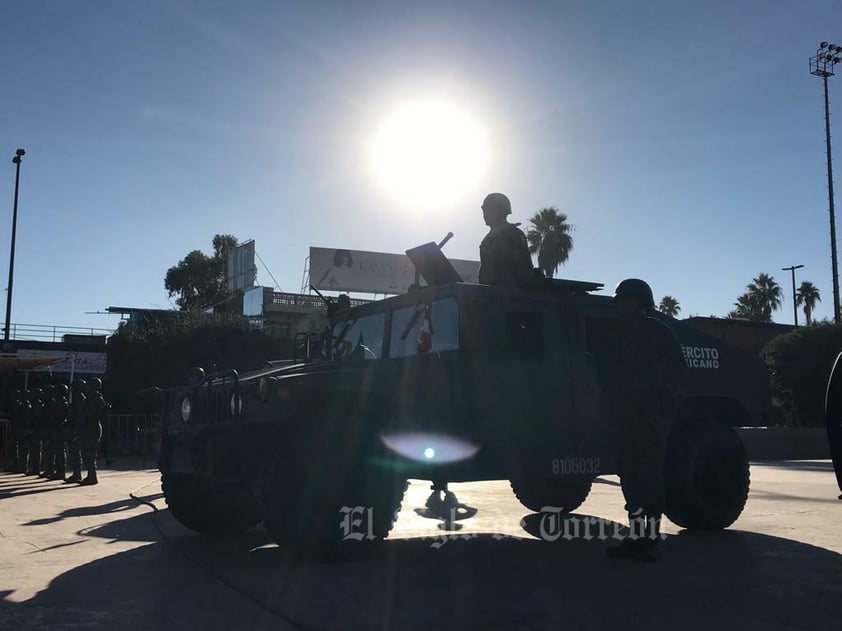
<point x="576" y="466"/>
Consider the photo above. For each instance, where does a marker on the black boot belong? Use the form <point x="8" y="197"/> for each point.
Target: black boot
<point x="649" y="549"/>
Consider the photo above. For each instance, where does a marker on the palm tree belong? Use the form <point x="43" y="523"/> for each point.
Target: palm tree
<point x="669" y="306"/>
<point x="808" y="295"/>
<point x="747" y="308"/>
<point x="766" y="294"/>
<point x="549" y="237"/>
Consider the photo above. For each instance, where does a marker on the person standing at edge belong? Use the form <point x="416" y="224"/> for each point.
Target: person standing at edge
<point x="94" y="412"/>
<point x="651" y="365"/>
<point x="504" y="253"/>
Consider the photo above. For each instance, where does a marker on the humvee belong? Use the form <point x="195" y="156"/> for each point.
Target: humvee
<point x="450" y="382"/>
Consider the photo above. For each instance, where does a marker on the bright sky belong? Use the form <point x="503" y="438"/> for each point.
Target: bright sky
<point x="685" y="140"/>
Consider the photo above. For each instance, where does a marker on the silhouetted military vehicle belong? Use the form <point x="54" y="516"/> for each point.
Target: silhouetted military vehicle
<point x="452" y="382"/>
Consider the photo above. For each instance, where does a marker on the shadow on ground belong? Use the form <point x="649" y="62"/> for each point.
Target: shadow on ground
<point x="179" y="580"/>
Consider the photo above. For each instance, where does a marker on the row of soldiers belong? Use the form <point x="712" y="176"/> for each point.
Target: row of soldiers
<point x="58" y="427"/>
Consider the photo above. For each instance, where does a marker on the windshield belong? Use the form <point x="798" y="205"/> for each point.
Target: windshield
<point x="425" y="328"/>
<point x="359" y="338"/>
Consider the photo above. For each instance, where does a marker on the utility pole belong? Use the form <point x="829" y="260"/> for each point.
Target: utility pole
<point x="794" y="303"/>
<point x="16" y="161"/>
<point x="821" y="65"/>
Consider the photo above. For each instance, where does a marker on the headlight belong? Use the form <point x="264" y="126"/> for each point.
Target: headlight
<point x="236" y="404"/>
<point x="185" y="409"/>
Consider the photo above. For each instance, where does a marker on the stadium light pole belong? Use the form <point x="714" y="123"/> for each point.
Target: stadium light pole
<point x="16" y="161"/>
<point x="794" y="304"/>
<point x="821" y="65"/>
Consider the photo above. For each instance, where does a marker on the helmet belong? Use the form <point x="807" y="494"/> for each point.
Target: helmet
<point x="497" y="203"/>
<point x="35" y="394"/>
<point x="78" y="385"/>
<point x="94" y="384"/>
<point x="62" y="391"/>
<point x="638" y="289"/>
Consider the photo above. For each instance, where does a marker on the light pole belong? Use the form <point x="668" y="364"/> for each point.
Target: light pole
<point x="794" y="303"/>
<point x="16" y="161"/>
<point x="821" y="65"/>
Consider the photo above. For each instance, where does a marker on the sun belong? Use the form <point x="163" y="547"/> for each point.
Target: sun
<point x="429" y="154"/>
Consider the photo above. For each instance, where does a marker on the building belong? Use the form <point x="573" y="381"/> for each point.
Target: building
<point x="288" y="314"/>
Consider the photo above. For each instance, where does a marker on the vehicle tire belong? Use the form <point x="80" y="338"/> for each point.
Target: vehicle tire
<point x="209" y="506"/>
<point x="706" y="474"/>
<point x="536" y="493"/>
<point x="331" y="514"/>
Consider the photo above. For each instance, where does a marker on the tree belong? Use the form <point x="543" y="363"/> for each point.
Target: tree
<point x="763" y="296"/>
<point x="746" y="308"/>
<point x="549" y="237"/>
<point x="669" y="306"/>
<point x="800" y="363"/>
<point x="808" y="295"/>
<point x="198" y="280"/>
<point x="767" y="295"/>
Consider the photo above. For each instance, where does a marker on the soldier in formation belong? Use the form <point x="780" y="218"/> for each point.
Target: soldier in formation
<point x="59" y="427"/>
<point x="74" y="419"/>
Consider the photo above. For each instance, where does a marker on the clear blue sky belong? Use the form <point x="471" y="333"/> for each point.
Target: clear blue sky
<point x="683" y="139"/>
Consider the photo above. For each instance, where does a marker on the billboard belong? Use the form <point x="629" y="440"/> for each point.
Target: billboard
<point x="372" y="272"/>
<point x="85" y="362"/>
<point x="241" y="271"/>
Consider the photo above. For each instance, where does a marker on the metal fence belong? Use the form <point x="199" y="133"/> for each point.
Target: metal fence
<point x="52" y="333"/>
<point x="131" y="435"/>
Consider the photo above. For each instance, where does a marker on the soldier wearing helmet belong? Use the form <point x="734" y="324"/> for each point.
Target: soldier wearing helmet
<point x="49" y="432"/>
<point x="36" y="431"/>
<point x="58" y="432"/>
<point x="18" y="428"/>
<point x="504" y="252"/>
<point x="94" y="411"/>
<point x="74" y="420"/>
<point x="650" y="365"/>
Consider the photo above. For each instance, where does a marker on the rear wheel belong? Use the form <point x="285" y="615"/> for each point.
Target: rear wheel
<point x="706" y="475"/>
<point x="537" y="493"/>
<point x="210" y="506"/>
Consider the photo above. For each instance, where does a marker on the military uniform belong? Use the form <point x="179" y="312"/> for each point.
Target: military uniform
<point x="58" y="433"/>
<point x="651" y="365"/>
<point x="35" y="434"/>
<point x="18" y="429"/>
<point x="504" y="257"/>
<point x="74" y="420"/>
<point x="94" y="411"/>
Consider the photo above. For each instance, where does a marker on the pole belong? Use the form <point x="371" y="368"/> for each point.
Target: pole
<point x="6" y="331"/>
<point x="834" y="262"/>
<point x="794" y="305"/>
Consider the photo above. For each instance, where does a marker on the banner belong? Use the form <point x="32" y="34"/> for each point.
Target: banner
<point x="372" y="272"/>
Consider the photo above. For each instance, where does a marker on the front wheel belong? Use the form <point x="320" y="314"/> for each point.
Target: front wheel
<point x="706" y="474"/>
<point x="331" y="514"/>
<point x="210" y="506"/>
<point x="538" y="493"/>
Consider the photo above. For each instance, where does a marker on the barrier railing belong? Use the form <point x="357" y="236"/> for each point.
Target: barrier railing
<point x="131" y="435"/>
<point x="53" y="333"/>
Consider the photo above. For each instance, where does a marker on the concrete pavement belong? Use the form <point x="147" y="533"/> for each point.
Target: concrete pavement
<point x="91" y="557"/>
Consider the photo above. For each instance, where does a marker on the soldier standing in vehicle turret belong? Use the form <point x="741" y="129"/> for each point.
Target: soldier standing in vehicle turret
<point x="74" y="421"/>
<point x="94" y="411"/>
<point x="651" y="365"/>
<point x="504" y="252"/>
